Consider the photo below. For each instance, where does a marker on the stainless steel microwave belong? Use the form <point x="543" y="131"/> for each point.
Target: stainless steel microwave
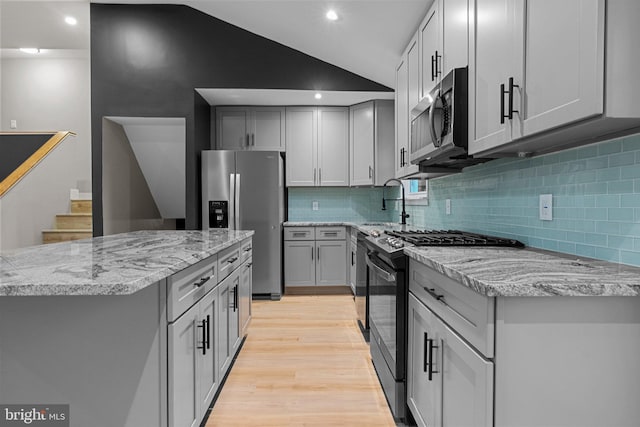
<point x="439" y="131"/>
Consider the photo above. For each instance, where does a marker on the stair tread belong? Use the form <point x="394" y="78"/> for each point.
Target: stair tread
<point x="78" y="214"/>
<point x="69" y="230"/>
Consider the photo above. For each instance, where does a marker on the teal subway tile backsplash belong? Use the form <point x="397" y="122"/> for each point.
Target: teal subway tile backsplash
<point x="338" y="204"/>
<point x="596" y="201"/>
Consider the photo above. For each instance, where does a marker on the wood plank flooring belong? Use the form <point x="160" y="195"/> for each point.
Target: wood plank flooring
<point x="304" y="363"/>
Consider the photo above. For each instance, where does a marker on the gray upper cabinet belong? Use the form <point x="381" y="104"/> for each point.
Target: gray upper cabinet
<point x="371" y="142"/>
<point x="528" y="98"/>
<point x="317" y="146"/>
<point x="443" y="38"/>
<point x="430" y="48"/>
<point x="250" y="128"/>
<point x="407" y="87"/>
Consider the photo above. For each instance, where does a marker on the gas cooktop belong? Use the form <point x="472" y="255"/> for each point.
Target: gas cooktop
<point x="451" y="238"/>
<point x="394" y="241"/>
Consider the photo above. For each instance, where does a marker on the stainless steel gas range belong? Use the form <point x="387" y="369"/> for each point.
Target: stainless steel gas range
<point x="388" y="299"/>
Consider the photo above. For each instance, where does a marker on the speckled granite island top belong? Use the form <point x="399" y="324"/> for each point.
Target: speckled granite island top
<point x="506" y="272"/>
<point x="120" y="264"/>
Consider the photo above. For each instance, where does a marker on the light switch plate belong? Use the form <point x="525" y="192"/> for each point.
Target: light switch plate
<point x="314" y="205"/>
<point x="447" y="206"/>
<point x="546" y="207"/>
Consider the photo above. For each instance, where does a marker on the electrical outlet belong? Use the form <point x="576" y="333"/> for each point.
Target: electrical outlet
<point x="546" y="207"/>
<point x="447" y="206"/>
<point x="14" y="124"/>
<point x="314" y="205"/>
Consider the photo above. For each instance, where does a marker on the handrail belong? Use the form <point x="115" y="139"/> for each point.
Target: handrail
<point x="33" y="160"/>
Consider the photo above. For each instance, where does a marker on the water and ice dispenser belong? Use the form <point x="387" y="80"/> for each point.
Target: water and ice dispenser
<point x="218" y="214"/>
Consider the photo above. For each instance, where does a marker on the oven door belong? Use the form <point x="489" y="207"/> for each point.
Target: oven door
<point x="385" y="295"/>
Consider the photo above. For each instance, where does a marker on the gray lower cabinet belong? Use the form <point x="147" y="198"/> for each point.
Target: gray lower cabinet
<point x="299" y="263"/>
<point x="315" y="256"/>
<point x="192" y="363"/>
<point x="445" y="371"/>
<point x="229" y="338"/>
<point x="331" y="265"/>
<point x="244" y="295"/>
<point x="207" y="321"/>
<point x="475" y="360"/>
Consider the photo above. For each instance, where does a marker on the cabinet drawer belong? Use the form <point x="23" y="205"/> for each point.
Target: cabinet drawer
<point x="464" y="310"/>
<point x="246" y="250"/>
<point x="330" y="233"/>
<point x="299" y="233"/>
<point x="228" y="260"/>
<point x="186" y="287"/>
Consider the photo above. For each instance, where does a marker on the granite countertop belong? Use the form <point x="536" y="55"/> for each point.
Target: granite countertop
<point x="120" y="264"/>
<point x="507" y="272"/>
<point x="365" y="227"/>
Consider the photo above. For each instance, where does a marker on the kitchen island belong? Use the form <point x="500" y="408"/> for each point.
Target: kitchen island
<point x="95" y="324"/>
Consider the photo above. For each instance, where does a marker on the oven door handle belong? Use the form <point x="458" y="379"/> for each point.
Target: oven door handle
<point x="387" y="276"/>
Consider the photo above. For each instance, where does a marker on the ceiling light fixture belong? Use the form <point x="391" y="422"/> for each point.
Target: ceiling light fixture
<point x="332" y="15"/>
<point x="30" y="50"/>
<point x="318" y="95"/>
<point x="70" y="20"/>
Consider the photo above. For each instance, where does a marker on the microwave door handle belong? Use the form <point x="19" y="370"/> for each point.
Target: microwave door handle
<point x="432" y="129"/>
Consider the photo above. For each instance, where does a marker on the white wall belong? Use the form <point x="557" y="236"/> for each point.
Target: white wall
<point x="31" y="205"/>
<point x="51" y="95"/>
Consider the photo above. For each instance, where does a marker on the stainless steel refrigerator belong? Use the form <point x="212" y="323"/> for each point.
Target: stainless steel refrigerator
<point x="244" y="190"/>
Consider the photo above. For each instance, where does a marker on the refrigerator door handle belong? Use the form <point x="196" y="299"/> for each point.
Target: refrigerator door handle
<point x="232" y="201"/>
<point x="238" y="219"/>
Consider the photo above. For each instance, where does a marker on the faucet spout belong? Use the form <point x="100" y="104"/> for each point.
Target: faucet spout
<point x="404" y="215"/>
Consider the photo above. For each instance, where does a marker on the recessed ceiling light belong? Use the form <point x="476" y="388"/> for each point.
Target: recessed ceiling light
<point x="318" y="95"/>
<point x="332" y="15"/>
<point x="31" y="50"/>
<point x="70" y="20"/>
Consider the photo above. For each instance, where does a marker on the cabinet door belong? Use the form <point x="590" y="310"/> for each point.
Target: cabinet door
<point x="184" y="394"/>
<point x="362" y="140"/>
<point x="225" y="297"/>
<point x="232" y="128"/>
<point x="352" y="266"/>
<point x="424" y="395"/>
<point x="267" y="132"/>
<point x="208" y="370"/>
<point x="495" y="57"/>
<point x="234" y="314"/>
<point x="299" y="263"/>
<point x="333" y="146"/>
<point x="244" y="296"/>
<point x="430" y="50"/>
<point x="331" y="266"/>
<point x="413" y="73"/>
<point x="455" y="34"/>
<point x="402" y="117"/>
<point x="301" y="142"/>
<point x="467" y="384"/>
<point x="564" y="83"/>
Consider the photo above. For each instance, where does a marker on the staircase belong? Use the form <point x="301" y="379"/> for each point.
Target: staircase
<point x="72" y="226"/>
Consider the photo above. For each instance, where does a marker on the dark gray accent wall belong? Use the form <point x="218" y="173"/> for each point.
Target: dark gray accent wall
<point x="15" y="149"/>
<point x="146" y="61"/>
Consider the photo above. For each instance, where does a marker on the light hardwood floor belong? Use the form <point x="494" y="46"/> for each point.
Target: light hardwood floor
<point x="304" y="363"/>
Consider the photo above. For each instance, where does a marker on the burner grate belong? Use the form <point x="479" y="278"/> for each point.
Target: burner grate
<point x="451" y="238"/>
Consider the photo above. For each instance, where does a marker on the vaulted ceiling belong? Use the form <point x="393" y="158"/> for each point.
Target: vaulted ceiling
<point x="367" y="38"/>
